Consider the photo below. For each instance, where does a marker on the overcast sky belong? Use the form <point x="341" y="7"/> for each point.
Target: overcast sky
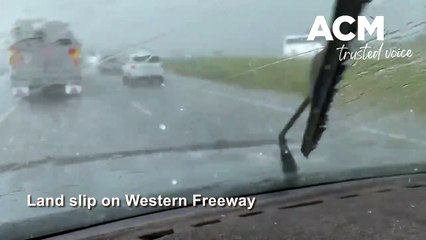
<point x="249" y="27"/>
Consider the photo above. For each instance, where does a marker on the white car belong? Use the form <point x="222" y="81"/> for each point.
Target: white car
<point x="143" y="67"/>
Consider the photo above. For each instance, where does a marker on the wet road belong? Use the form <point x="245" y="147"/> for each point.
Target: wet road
<point x="110" y="117"/>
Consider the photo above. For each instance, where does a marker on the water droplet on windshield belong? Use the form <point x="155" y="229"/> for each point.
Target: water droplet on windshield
<point x="416" y="169"/>
<point x="411" y="110"/>
<point x="181" y="109"/>
<point x="363" y="73"/>
<point x="162" y="127"/>
<point x="174" y="182"/>
<point x="369" y="211"/>
<point x="163" y="84"/>
<point x="4" y="148"/>
<point x="261" y="153"/>
<point x="411" y="205"/>
<point x="77" y="154"/>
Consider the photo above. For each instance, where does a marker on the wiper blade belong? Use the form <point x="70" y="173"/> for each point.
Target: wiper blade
<point x="330" y="73"/>
<point x="326" y="72"/>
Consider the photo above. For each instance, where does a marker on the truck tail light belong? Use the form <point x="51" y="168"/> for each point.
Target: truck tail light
<point x="74" y="54"/>
<point x="16" y="57"/>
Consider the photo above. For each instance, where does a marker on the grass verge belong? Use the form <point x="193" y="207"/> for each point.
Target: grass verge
<point x="388" y="84"/>
<point x="284" y="77"/>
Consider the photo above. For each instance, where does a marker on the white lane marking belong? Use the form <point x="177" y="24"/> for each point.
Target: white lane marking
<point x="250" y="101"/>
<point x="392" y="135"/>
<point x="6" y="114"/>
<point x="141" y="108"/>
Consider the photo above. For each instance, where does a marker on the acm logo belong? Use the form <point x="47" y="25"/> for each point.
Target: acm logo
<point x="320" y="28"/>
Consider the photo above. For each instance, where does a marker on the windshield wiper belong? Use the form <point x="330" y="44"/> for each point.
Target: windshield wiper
<point x="326" y="72"/>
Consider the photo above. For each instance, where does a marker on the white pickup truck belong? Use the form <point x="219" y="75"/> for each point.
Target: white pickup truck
<point x="44" y="54"/>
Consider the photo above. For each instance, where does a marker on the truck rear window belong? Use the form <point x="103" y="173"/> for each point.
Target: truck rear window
<point x="64" y="42"/>
<point x="28" y="43"/>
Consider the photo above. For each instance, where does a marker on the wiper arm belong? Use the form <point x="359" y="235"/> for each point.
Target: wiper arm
<point x="289" y="164"/>
<point x="326" y="72"/>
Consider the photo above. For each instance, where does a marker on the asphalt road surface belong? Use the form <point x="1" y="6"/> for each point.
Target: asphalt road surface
<point x="50" y="144"/>
<point x="111" y="117"/>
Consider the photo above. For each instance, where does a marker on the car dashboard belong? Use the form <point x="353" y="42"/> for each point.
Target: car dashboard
<point x="376" y="208"/>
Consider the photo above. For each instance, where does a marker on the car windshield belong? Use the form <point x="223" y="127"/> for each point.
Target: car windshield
<point x="140" y="58"/>
<point x="207" y="119"/>
<point x="154" y="59"/>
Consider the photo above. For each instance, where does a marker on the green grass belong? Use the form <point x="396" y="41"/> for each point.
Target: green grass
<point x="388" y="84"/>
<point x="397" y="84"/>
<point x="289" y="76"/>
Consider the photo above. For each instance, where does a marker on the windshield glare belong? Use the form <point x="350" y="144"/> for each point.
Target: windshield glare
<point x="76" y="119"/>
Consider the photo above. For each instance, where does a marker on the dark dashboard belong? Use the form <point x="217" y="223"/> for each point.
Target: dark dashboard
<point x="377" y="208"/>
